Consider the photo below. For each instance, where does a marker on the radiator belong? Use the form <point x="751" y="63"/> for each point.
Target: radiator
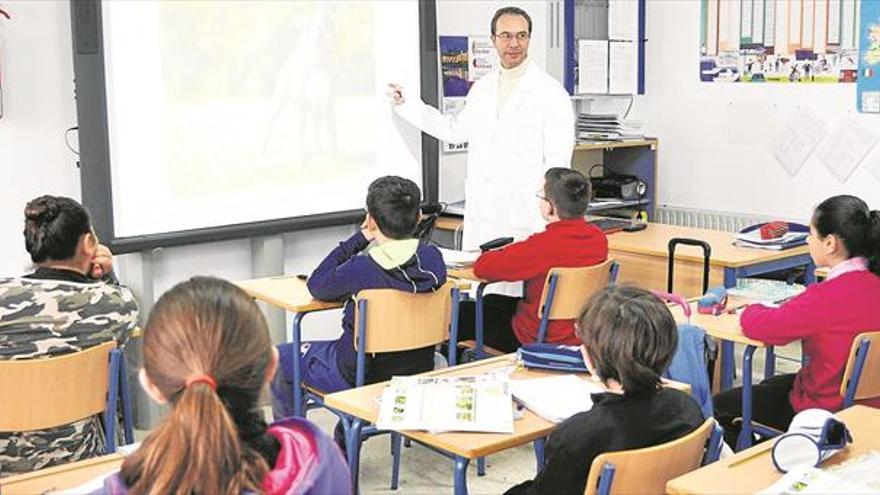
<point x="707" y="219"/>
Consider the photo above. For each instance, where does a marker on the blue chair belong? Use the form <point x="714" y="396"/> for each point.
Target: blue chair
<point x="861" y="377"/>
<point x="568" y="289"/>
<point x="388" y="320"/>
<point x="648" y="470"/>
<point x="63" y="389"/>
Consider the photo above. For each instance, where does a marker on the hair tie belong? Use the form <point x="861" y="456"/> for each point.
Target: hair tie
<point x="202" y="378"/>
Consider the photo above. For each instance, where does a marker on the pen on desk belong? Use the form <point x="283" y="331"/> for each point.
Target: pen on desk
<point x="733" y="310"/>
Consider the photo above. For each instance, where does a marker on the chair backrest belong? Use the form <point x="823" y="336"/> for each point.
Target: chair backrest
<point x="573" y="288"/>
<point x="647" y="470"/>
<point x="400" y="321"/>
<point x="42" y="393"/>
<point x="861" y="377"/>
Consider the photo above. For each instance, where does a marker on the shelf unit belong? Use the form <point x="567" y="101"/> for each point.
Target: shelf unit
<point x="636" y="157"/>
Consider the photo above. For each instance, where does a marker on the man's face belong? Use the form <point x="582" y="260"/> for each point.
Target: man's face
<point x="511" y="40"/>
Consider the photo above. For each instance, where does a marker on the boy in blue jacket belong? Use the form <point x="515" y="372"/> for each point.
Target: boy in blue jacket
<point x="395" y="261"/>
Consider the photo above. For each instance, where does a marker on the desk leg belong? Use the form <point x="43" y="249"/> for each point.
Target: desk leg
<point x="745" y="435"/>
<point x="729" y="277"/>
<point x="460" y="475"/>
<point x="810" y="275"/>
<point x="353" y="451"/>
<point x="481" y="466"/>
<point x="769" y="362"/>
<point x="297" y="365"/>
<point x="395" y="459"/>
<point x="478" y="325"/>
<point x="727" y="364"/>
<point x="539" y="454"/>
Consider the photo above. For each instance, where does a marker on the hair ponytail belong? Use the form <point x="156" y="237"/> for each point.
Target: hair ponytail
<point x="195" y="450"/>
<point x="858" y="228"/>
<point x="206" y="349"/>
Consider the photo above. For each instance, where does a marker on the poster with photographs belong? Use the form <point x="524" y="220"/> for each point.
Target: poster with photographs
<point x="462" y="403"/>
<point x="463" y="60"/>
<point x="779" y="41"/>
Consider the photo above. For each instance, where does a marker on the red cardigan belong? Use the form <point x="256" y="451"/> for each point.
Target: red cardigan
<point x="566" y="243"/>
<point x="826" y="318"/>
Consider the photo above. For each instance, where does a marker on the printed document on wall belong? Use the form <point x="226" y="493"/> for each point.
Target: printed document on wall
<point x="798" y="139"/>
<point x="622" y="76"/>
<point x="623" y="20"/>
<point x="845" y="149"/>
<point x="592" y="66"/>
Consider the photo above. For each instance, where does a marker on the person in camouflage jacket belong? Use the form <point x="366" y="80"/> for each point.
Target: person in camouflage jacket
<point x="70" y="303"/>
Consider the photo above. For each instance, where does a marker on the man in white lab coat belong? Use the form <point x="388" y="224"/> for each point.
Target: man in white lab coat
<point x="518" y="122"/>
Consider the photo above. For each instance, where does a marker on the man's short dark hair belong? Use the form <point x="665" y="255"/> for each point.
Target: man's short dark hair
<point x="568" y="190"/>
<point x="509" y="11"/>
<point x="630" y="337"/>
<point x="393" y="202"/>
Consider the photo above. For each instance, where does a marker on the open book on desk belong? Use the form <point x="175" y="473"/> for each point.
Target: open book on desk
<point x="480" y="403"/>
<point x="555" y="398"/>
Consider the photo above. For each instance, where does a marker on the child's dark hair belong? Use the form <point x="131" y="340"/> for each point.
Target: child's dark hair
<point x="630" y="337"/>
<point x="212" y="440"/>
<point x="393" y="202"/>
<point x="53" y="226"/>
<point x="568" y="190"/>
<point x="849" y="218"/>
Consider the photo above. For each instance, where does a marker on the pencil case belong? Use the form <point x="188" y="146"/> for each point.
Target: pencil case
<point x="773" y="230"/>
<point x="552" y="357"/>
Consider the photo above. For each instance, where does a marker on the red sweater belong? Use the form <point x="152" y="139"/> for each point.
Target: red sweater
<point x="566" y="243"/>
<point x="826" y="318"/>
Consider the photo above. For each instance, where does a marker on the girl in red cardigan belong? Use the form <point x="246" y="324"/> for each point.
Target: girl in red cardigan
<point x="844" y="236"/>
<point x="567" y="241"/>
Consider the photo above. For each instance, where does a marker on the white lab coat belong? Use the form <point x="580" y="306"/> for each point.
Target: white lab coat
<point x="508" y="153"/>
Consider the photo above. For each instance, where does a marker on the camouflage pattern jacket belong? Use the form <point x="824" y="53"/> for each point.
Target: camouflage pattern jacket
<point x="49" y="313"/>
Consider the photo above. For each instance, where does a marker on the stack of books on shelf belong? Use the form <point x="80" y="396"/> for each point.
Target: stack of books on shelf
<point x="607" y="127"/>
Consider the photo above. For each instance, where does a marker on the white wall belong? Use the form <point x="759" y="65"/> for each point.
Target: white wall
<point x="715" y="138"/>
<point x="37" y="80"/>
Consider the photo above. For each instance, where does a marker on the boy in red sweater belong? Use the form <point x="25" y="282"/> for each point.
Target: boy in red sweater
<point x="845" y="236"/>
<point x="567" y="241"/>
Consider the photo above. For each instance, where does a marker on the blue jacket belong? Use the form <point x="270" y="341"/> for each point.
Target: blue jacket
<point x="689" y="365"/>
<point x="345" y="272"/>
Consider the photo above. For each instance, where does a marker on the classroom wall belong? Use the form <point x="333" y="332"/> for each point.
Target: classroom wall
<point x="36" y="75"/>
<point x="715" y="138"/>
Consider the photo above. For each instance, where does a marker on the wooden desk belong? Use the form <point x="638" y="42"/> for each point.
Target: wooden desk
<point x="362" y="403"/>
<point x="643" y="258"/>
<point x="752" y="470"/>
<point x="292" y="294"/>
<point x="727" y="328"/>
<point x="62" y="477"/>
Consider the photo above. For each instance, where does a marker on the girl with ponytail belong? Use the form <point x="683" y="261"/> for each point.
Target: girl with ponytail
<point x="207" y="353"/>
<point x="845" y="237"/>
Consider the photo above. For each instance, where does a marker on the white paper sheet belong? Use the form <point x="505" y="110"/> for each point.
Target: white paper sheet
<point x="846" y="148"/>
<point x="592" y="67"/>
<point x="622" y="71"/>
<point x="623" y="20"/>
<point x="555" y="398"/>
<point x="798" y="139"/>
